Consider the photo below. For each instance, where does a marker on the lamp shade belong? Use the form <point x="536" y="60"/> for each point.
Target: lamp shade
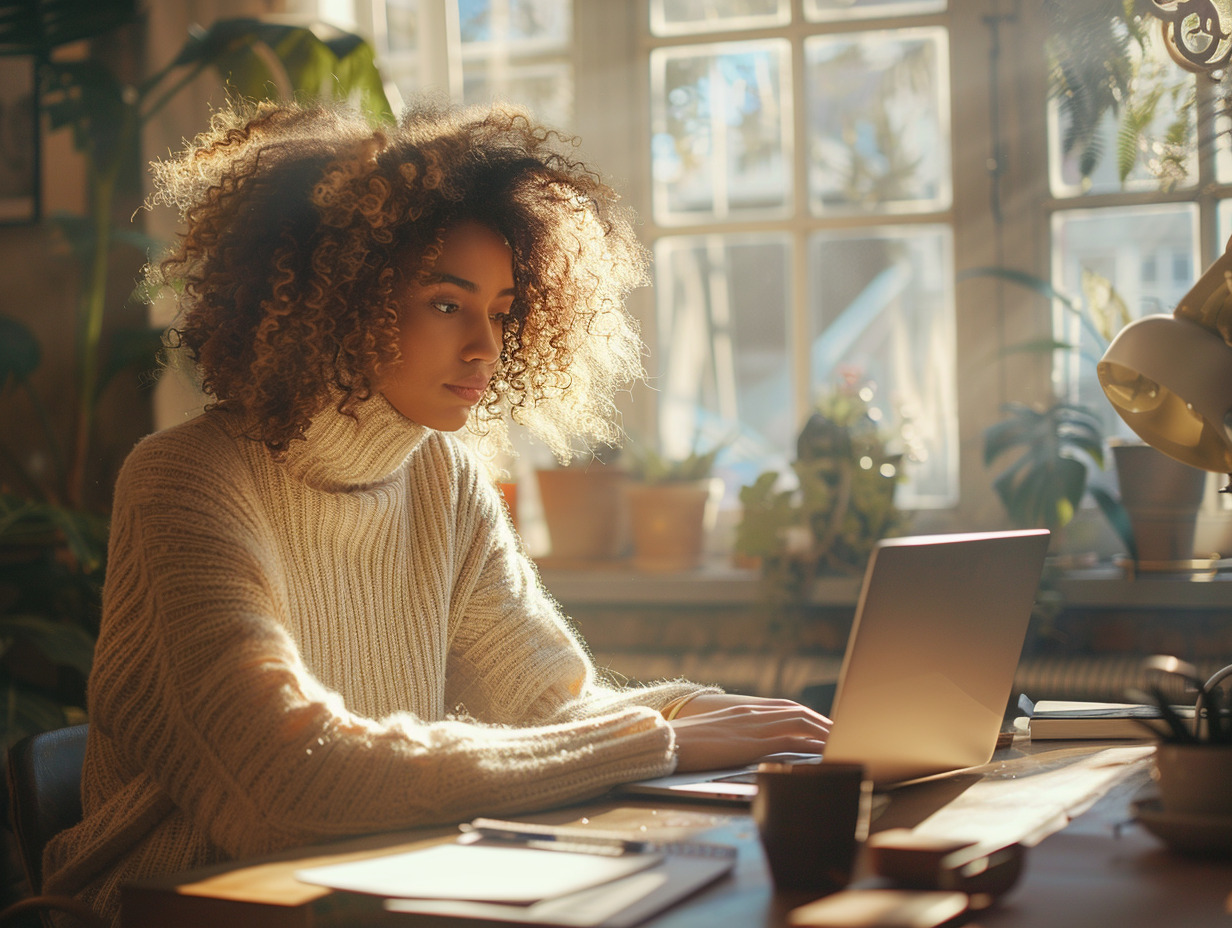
<point x="1170" y="379"/>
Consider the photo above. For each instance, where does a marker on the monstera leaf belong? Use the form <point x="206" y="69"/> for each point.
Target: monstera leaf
<point x="1057" y="446"/>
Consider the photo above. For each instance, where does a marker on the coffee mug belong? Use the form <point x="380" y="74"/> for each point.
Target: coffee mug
<point x="811" y="819"/>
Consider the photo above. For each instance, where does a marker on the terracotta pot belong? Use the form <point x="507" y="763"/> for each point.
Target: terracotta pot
<point x="668" y="522"/>
<point x="1162" y="497"/>
<point x="509" y="494"/>
<point x="583" y="508"/>
<point x="1194" y="778"/>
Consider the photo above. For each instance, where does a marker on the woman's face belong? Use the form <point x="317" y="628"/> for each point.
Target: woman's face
<point x="451" y="329"/>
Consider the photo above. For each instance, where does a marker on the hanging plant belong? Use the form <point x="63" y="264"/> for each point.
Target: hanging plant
<point x="1100" y="66"/>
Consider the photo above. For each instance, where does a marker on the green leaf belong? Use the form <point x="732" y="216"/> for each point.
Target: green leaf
<point x="87" y="97"/>
<point x="309" y="63"/>
<point x="20" y="353"/>
<point x="134" y="349"/>
<point x="29" y="712"/>
<point x="85" y="534"/>
<point x="35" y="27"/>
<point x="63" y="644"/>
<point x="356" y="72"/>
<point x="79" y="233"/>
<point x="340" y="65"/>
<point x="1036" y="346"/>
<point x="1117" y="517"/>
<point x="1044" y="485"/>
<point x="1129" y="135"/>
<point x="1108" y="310"/>
<point x="1020" y="427"/>
<point x="126" y="235"/>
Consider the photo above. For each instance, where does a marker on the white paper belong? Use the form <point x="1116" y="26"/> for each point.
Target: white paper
<point x="477" y="872"/>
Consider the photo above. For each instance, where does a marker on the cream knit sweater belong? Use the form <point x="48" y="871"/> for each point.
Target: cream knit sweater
<point x="344" y="642"/>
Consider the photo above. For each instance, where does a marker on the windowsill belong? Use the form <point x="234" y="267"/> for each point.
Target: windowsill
<point x="1107" y="586"/>
<point x="618" y="582"/>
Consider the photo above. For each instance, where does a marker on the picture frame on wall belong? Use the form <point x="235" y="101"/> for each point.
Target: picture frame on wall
<point x="19" y="140"/>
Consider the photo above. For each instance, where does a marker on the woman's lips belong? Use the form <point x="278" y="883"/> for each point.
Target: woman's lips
<point x="469" y="393"/>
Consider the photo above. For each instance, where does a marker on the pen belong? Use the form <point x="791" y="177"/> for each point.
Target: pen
<point x="554" y="838"/>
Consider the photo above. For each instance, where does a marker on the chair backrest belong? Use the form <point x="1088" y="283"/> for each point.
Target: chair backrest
<point x="44" y="777"/>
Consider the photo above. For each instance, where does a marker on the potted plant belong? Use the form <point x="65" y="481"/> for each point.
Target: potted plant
<point x="845" y="475"/>
<point x="583" y="507"/>
<point x="1056" y="447"/>
<point x="1059" y="447"/>
<point x="1193" y="757"/>
<point x="671" y="506"/>
<point x="52" y="532"/>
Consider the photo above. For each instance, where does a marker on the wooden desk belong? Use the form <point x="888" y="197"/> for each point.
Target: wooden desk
<point x="1088" y="875"/>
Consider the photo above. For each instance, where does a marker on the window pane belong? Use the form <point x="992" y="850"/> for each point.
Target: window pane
<point x="722" y="366"/>
<point x="878" y="121"/>
<point x="546" y="88"/>
<point x="679" y="17"/>
<point x="402" y="26"/>
<point x="721" y="117"/>
<point x="1146" y="253"/>
<point x="1154" y="159"/>
<point x="1223" y="214"/>
<point x="527" y="22"/>
<point x="826" y="10"/>
<point x="1223" y="150"/>
<point x="881" y="309"/>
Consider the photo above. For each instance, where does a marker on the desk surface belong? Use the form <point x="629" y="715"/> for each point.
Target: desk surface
<point x="1089" y="873"/>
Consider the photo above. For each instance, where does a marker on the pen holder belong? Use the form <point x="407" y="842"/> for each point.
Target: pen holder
<point x="811" y="819"/>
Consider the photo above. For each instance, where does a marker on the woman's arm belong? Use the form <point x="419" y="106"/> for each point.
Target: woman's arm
<point x="506" y="619"/>
<point x="513" y="657"/>
<point x="198" y="684"/>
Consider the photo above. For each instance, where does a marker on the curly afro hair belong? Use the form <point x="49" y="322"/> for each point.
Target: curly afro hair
<point x="300" y="221"/>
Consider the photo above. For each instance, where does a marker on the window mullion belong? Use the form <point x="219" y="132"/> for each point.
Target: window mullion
<point x="797" y="293"/>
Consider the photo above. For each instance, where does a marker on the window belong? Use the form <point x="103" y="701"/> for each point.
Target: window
<point x="1138" y="226"/>
<point x="478" y="50"/>
<point x="802" y="229"/>
<point x="817" y="177"/>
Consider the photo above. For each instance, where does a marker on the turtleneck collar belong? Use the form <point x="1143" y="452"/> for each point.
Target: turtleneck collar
<point x="342" y="452"/>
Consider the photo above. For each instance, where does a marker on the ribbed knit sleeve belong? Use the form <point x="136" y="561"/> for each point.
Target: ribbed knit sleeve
<point x="199" y="684"/>
<point x="513" y="657"/>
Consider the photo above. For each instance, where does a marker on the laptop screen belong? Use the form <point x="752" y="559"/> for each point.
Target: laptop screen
<point x="930" y="661"/>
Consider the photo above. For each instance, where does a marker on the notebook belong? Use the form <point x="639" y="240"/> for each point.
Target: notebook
<point x="1092" y="721"/>
<point x="569" y="876"/>
<point x="930" y="661"/>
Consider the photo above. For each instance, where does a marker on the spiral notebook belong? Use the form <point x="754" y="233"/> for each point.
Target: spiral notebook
<point x="541" y="875"/>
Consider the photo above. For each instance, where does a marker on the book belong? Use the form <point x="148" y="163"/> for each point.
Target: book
<point x="1061" y="720"/>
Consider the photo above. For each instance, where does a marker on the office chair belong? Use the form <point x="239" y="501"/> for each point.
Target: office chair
<point x="44" y="780"/>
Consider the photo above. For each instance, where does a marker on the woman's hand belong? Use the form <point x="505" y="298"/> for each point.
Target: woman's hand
<point x="715" y="730"/>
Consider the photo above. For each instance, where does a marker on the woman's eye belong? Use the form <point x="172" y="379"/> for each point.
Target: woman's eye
<point x="502" y="318"/>
<point x="443" y="306"/>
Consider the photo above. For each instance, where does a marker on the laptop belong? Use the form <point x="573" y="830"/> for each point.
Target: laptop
<point x="929" y="666"/>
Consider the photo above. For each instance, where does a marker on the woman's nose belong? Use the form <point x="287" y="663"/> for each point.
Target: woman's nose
<point x="485" y="340"/>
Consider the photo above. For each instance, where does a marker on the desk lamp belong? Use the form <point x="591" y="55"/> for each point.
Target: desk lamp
<point x="1170" y="377"/>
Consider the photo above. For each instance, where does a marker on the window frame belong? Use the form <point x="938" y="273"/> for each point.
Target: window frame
<point x="1000" y="213"/>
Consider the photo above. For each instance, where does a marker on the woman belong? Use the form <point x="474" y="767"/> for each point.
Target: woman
<point x="318" y="621"/>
